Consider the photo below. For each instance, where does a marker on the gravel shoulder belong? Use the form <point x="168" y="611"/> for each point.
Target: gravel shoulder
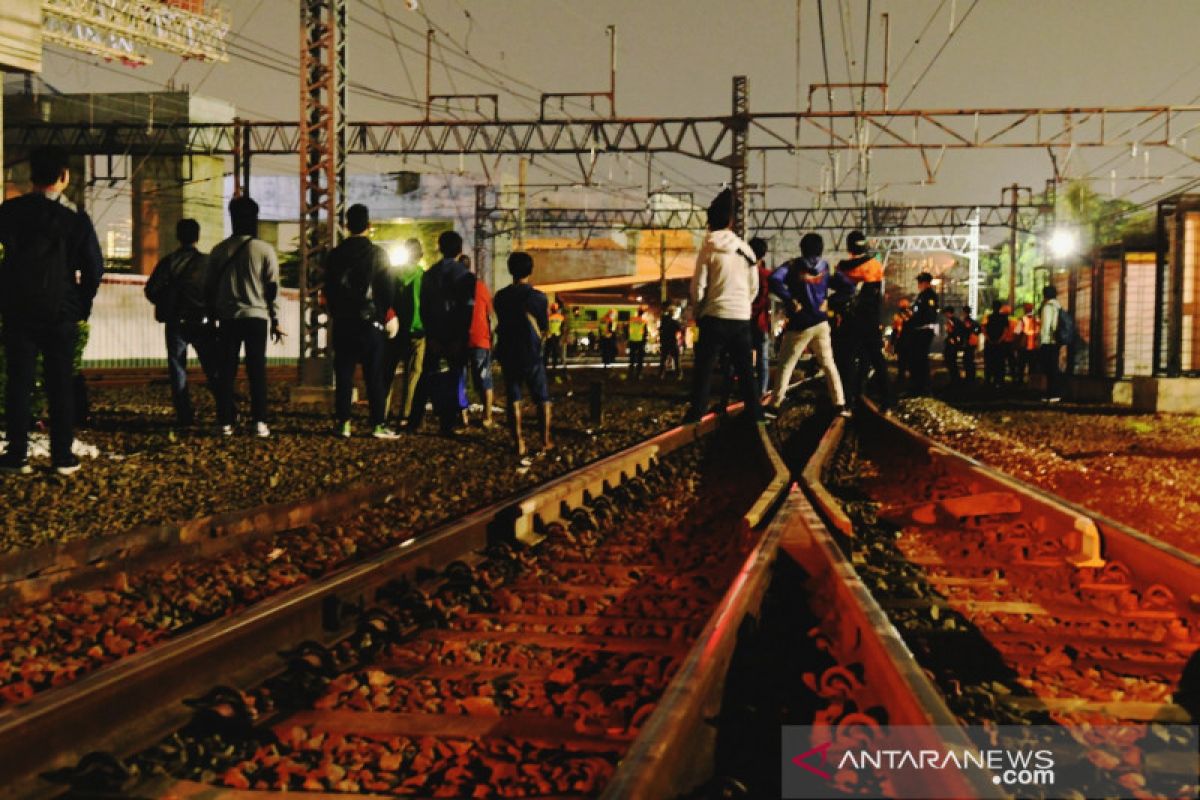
<point x="144" y="476"/>
<point x="1139" y="469"/>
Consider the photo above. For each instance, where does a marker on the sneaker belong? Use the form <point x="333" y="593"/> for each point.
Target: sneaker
<point x="68" y="467"/>
<point x="226" y="430"/>
<point x="9" y="465"/>
<point x="261" y="430"/>
<point x="771" y="412"/>
<point x="380" y="432"/>
<point x="1053" y="399"/>
<point x="843" y="411"/>
<point x="343" y="430"/>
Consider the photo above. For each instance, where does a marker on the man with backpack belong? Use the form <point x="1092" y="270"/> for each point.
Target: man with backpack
<point x="358" y="292"/>
<point x="1057" y="329"/>
<point x="243" y="291"/>
<point x="46" y="241"/>
<point x="176" y="288"/>
<point x="447" y="303"/>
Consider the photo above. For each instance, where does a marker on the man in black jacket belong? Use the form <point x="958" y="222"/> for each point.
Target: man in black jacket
<point x="176" y="288"/>
<point x="919" y="331"/>
<point x="358" y="291"/>
<point x="46" y="240"/>
<point x="447" y="303"/>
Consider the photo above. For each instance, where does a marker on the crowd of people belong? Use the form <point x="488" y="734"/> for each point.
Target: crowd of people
<point x="434" y="327"/>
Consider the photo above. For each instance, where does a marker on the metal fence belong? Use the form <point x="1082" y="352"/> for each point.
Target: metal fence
<point x="125" y="334"/>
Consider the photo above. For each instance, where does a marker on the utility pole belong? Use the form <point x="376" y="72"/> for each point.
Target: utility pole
<point x="1014" y="193"/>
<point x="612" y="70"/>
<point x="522" y="173"/>
<point x="740" y="127"/>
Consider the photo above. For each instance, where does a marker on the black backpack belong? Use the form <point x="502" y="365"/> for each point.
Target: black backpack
<point x="36" y="274"/>
<point x="1065" y="329"/>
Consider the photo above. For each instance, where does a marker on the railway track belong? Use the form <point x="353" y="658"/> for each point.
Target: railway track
<point x="589" y="619"/>
<point x="954" y="596"/>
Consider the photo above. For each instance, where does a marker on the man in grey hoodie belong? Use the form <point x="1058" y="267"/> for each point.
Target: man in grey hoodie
<point x="723" y="288"/>
<point x="243" y="287"/>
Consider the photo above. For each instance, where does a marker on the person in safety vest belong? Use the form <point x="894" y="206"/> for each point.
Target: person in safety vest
<point x="637" y="343"/>
<point x="896" y="341"/>
<point x="866" y="271"/>
<point x="1027" y="342"/>
<point x="554" y="340"/>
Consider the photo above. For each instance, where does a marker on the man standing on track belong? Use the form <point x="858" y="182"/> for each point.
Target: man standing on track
<point x="447" y="298"/>
<point x="521" y="325"/>
<point x="919" y="333"/>
<point x="358" y="292"/>
<point x="46" y="241"/>
<point x="669" y="330"/>
<point x="760" y="319"/>
<point x="637" y="343"/>
<point x="243" y="284"/>
<point x="801" y="284"/>
<point x="176" y="288"/>
<point x="408" y="348"/>
<point x="865" y="270"/>
<point x="723" y="289"/>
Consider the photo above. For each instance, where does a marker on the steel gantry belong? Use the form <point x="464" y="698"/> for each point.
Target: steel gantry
<point x="946" y="218"/>
<point x="123" y="29"/>
<point x="962" y="245"/>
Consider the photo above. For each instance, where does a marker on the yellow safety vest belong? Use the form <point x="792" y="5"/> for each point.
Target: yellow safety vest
<point x="556" y="323"/>
<point x="637" y="329"/>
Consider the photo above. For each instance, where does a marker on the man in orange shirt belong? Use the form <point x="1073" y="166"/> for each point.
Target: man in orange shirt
<point x="864" y="329"/>
<point x="479" y="348"/>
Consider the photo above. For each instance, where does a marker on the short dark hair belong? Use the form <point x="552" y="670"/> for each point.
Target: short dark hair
<point x="759" y="246"/>
<point x="811" y="244"/>
<point x="243" y="216"/>
<point x="358" y="218"/>
<point x="187" y="231"/>
<point x="450" y="244"/>
<point x="1050" y="292"/>
<point x="47" y="165"/>
<point x="924" y="277"/>
<point x="520" y="265"/>
<point x="720" y="211"/>
<point x="949" y="309"/>
<point x="996" y="306"/>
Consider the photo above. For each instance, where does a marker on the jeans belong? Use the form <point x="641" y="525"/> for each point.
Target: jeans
<point x="203" y="339"/>
<point x="731" y="336"/>
<point x="232" y="335"/>
<point x="56" y="342"/>
<point x="456" y="362"/>
<point x="794" y="345"/>
<point x="762" y="360"/>
<point x="357" y="342"/>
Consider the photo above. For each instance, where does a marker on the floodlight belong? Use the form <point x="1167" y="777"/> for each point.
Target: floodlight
<point x="1063" y="243"/>
<point x="398" y="255"/>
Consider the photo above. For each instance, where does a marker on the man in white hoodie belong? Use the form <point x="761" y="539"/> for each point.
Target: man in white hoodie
<point x="723" y="288"/>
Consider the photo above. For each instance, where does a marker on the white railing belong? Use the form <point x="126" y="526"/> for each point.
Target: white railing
<point x="125" y="334"/>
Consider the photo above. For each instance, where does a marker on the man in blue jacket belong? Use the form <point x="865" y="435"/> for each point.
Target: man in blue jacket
<point x="801" y="284"/>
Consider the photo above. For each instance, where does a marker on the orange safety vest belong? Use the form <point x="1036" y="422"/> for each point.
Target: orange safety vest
<point x="1031" y="326"/>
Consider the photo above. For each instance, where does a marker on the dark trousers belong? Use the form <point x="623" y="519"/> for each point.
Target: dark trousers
<point x="357" y="342"/>
<point x="455" y="359"/>
<point x="966" y="355"/>
<point x="731" y="336"/>
<point x="56" y="343"/>
<point x="919" y="342"/>
<point x="951" y="355"/>
<point x="1048" y="354"/>
<point x="203" y="339"/>
<point x="637" y="357"/>
<point x="995" y="361"/>
<point x="232" y="336"/>
<point x="866" y="343"/>
<point x="846" y="357"/>
<point x="553" y="352"/>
